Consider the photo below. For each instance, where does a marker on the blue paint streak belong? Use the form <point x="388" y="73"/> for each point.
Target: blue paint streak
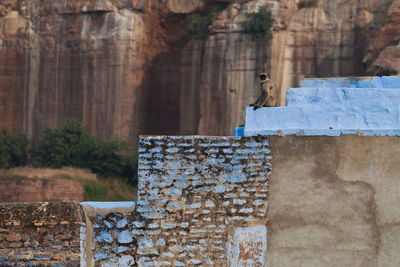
<point x="174" y="192"/>
<point x="100" y="255"/>
<point x="122" y="223"/>
<point x="125" y="237"/>
<point x="119" y="249"/>
<point x="239" y="131"/>
<point x="237" y="178"/>
<point x="109" y="205"/>
<point x="104" y="237"/>
<point x="219" y="189"/>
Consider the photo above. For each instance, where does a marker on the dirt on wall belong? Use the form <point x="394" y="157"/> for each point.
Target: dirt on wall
<point x="333" y="201"/>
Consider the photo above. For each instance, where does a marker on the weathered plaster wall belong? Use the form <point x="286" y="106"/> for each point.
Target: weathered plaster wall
<point x="334" y="201"/>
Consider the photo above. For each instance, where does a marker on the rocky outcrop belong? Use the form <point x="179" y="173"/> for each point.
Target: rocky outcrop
<point x="388" y="61"/>
<point x="127" y="67"/>
<point x="383" y="56"/>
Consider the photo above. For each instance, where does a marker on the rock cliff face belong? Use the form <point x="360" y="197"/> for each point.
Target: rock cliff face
<point x="383" y="56"/>
<point x="127" y="67"/>
<point x="80" y="60"/>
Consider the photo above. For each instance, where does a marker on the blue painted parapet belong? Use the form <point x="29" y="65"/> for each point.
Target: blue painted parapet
<point x="354" y="82"/>
<point x="239" y="131"/>
<point x="333" y="107"/>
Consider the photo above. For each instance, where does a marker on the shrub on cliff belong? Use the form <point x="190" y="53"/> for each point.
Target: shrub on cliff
<point x="198" y="24"/>
<point x="307" y="4"/>
<point x="71" y="145"/>
<point x="258" y="24"/>
<point x="13" y="149"/>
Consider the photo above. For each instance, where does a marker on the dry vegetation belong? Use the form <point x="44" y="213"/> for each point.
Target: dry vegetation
<point x="95" y="188"/>
<point x="43" y="173"/>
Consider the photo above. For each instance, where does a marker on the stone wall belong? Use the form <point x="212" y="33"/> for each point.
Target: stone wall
<point x="196" y="192"/>
<point x="198" y="196"/>
<point x="201" y="201"/>
<point x="40" y="234"/>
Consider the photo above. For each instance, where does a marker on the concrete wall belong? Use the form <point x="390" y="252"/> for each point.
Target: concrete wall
<point x="332" y="201"/>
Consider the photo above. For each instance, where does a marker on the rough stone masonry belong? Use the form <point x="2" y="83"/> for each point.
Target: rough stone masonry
<point x="199" y="196"/>
<point x="332" y="201"/>
<point x="202" y="201"/>
<point x="41" y="234"/>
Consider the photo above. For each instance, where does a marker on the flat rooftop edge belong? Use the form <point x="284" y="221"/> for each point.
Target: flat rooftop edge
<point x="324" y="132"/>
<point x="353" y="82"/>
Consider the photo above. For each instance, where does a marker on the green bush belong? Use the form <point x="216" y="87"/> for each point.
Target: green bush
<point x="13" y="149"/>
<point x="307" y="4"/>
<point x="95" y="191"/>
<point x="382" y="20"/>
<point x="258" y="24"/>
<point x="60" y="146"/>
<point x="198" y="24"/>
<point x="72" y="146"/>
<point x="129" y="168"/>
<point x="108" y="189"/>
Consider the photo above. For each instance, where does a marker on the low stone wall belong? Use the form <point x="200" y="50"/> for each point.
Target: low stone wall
<point x="41" y="234"/>
<point x="21" y="189"/>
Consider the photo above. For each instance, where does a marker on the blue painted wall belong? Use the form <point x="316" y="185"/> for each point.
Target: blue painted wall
<point x="333" y="107"/>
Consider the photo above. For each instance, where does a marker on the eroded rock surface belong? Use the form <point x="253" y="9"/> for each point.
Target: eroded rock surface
<point x="383" y="56"/>
<point x="129" y="67"/>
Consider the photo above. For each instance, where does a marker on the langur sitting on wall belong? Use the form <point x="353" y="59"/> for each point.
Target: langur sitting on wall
<point x="268" y="93"/>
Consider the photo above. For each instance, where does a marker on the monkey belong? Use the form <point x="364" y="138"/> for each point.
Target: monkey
<point x="268" y="93"/>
